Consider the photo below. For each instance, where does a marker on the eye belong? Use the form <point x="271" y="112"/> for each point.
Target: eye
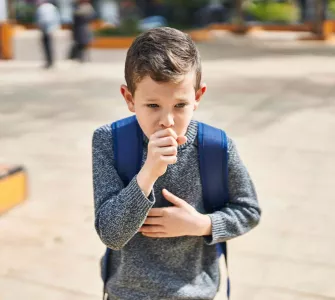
<point x="152" y="105"/>
<point x="180" y="105"/>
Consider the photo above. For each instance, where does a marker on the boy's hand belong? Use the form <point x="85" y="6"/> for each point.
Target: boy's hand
<point x="162" y="151"/>
<point x="179" y="220"/>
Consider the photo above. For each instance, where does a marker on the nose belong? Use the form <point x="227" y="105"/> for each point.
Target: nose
<point x="166" y="121"/>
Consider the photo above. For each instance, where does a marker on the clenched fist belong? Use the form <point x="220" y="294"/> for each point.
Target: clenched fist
<point x="162" y="150"/>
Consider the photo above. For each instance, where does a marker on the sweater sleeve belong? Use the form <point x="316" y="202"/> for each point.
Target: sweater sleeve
<point x="242" y="212"/>
<point x="119" y="210"/>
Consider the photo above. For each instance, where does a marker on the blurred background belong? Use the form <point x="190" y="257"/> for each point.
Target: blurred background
<point x="270" y="71"/>
<point x="185" y="13"/>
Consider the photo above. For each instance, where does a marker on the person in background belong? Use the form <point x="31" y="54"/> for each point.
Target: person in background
<point x="308" y="10"/>
<point x="81" y="32"/>
<point x="48" y="21"/>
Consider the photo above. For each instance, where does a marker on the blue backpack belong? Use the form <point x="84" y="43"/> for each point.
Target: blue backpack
<point x="213" y="162"/>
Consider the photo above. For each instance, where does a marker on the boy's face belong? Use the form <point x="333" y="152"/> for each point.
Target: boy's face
<point x="161" y="105"/>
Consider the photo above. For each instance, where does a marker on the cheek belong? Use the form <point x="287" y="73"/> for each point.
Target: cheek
<point x="187" y="112"/>
<point x="183" y="118"/>
<point x="147" y="120"/>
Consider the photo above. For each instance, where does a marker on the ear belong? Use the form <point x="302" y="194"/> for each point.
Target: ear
<point x="198" y="95"/>
<point x="128" y="97"/>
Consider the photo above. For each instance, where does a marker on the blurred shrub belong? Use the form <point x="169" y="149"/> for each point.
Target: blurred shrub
<point x="127" y="27"/>
<point x="182" y="14"/>
<point x="331" y="8"/>
<point x="25" y="13"/>
<point x="270" y="11"/>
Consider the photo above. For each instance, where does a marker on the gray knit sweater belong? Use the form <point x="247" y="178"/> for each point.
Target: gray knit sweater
<point x="165" y="268"/>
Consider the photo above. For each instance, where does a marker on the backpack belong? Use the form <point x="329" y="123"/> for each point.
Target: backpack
<point x="213" y="162"/>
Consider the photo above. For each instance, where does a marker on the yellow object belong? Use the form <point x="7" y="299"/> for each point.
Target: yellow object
<point x="328" y="29"/>
<point x="13" y="186"/>
<point x="112" y="42"/>
<point x="6" y="45"/>
<point x="115" y="42"/>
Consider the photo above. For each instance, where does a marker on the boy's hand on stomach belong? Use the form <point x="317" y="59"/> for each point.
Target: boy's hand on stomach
<point x="182" y="219"/>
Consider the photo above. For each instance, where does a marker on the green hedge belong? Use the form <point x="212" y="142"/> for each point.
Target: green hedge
<point x="128" y="27"/>
<point x="181" y="16"/>
<point x="273" y="12"/>
<point x="25" y="13"/>
<point x="331" y="8"/>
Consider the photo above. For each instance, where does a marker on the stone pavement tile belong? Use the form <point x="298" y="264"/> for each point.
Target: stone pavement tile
<point x="308" y="130"/>
<point x="13" y="288"/>
<point x="275" y="293"/>
<point x="50" y="231"/>
<point x="283" y="274"/>
<point x="55" y="268"/>
<point x="283" y="245"/>
<point x="243" y="292"/>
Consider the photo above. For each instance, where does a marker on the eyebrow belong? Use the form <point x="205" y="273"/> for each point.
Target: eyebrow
<point x="182" y="100"/>
<point x="156" y="100"/>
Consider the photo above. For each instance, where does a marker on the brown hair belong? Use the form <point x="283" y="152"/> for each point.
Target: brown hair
<point x="165" y="54"/>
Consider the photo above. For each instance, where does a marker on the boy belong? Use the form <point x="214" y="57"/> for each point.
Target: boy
<point x="162" y="241"/>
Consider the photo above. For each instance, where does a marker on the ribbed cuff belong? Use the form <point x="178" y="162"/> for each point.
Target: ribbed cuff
<point x="218" y="228"/>
<point x="142" y="203"/>
<point x="128" y="213"/>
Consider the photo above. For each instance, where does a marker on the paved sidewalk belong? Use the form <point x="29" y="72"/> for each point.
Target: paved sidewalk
<point x="276" y="100"/>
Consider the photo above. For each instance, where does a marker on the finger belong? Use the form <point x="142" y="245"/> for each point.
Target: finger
<point x="172" y="198"/>
<point x="156" y="235"/>
<point x="155" y="212"/>
<point x="151" y="228"/>
<point x="181" y="140"/>
<point x="165" y="132"/>
<point x="167" y="150"/>
<point x="170" y="160"/>
<point x="166" y="141"/>
<point x="153" y="221"/>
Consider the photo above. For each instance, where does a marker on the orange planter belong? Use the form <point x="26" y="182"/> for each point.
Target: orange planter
<point x="221" y="26"/>
<point x="6" y="45"/>
<point x="200" y="35"/>
<point x="111" y="42"/>
<point x="119" y="42"/>
<point x="266" y="27"/>
<point x="328" y="30"/>
<point x="276" y="27"/>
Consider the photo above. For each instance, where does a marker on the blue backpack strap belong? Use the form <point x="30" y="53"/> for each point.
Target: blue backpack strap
<point x="128" y="150"/>
<point x="213" y="160"/>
